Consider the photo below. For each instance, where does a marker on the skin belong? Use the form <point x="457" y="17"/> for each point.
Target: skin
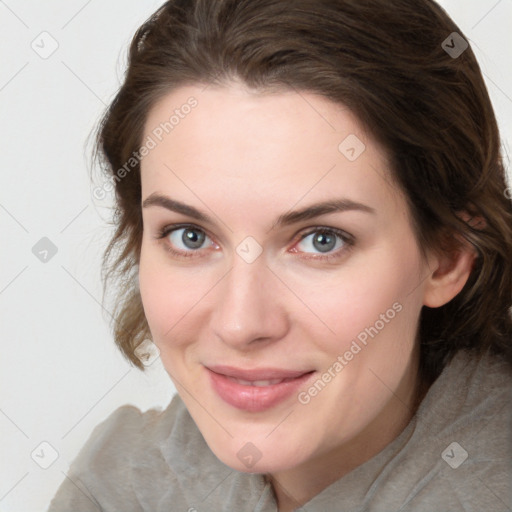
<point x="245" y="158"/>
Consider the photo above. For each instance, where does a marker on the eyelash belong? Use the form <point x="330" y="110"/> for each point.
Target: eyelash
<point x="348" y="241"/>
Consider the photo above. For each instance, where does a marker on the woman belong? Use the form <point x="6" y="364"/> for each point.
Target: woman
<point x="314" y="231"/>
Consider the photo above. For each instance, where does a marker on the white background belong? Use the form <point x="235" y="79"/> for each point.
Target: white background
<point x="60" y="372"/>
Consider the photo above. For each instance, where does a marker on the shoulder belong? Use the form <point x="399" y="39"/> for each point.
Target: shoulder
<point x="121" y="466"/>
<point x="469" y="377"/>
<point x="127" y="434"/>
<point x="456" y="453"/>
<point x="472" y="389"/>
<point x="474" y="383"/>
<point x="464" y="435"/>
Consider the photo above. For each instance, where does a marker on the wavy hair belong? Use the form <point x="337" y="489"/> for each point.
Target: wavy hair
<point x="387" y="61"/>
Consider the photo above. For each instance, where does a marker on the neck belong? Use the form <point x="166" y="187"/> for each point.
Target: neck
<point x="296" y="486"/>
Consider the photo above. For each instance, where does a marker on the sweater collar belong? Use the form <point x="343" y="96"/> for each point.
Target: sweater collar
<point x="203" y="478"/>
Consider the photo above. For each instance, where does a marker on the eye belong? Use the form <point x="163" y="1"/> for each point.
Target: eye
<point x="323" y="241"/>
<point x="185" y="240"/>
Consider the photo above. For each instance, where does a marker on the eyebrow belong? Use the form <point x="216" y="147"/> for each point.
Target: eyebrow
<point x="288" y="218"/>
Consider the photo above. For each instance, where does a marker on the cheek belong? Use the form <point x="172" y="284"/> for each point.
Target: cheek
<point x="171" y="298"/>
<point x="163" y="299"/>
<point x="368" y="299"/>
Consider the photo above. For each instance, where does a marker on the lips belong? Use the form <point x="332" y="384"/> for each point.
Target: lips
<point x="257" y="383"/>
<point x="255" y="390"/>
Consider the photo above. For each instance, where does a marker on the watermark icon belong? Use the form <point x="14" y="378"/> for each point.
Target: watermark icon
<point x="351" y="147"/>
<point x="147" y="352"/>
<point x="44" y="250"/>
<point x="45" y="45"/>
<point x="454" y="45"/>
<point x="150" y="143"/>
<point x="454" y="455"/>
<point x="44" y="455"/>
<point x="249" y="249"/>
<point x="337" y="366"/>
<point x="249" y="454"/>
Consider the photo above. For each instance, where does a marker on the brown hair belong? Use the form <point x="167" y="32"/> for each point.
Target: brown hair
<point x="383" y="59"/>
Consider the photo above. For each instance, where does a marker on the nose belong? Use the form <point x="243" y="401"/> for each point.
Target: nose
<point x="249" y="308"/>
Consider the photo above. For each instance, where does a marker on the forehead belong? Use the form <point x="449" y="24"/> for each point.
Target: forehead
<point x="283" y="147"/>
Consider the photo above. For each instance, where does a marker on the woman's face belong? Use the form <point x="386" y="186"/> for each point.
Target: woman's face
<point x="279" y="273"/>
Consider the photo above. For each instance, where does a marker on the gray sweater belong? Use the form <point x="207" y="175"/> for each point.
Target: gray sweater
<point x="454" y="455"/>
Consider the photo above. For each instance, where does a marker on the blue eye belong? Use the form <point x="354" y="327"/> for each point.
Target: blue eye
<point x="185" y="240"/>
<point x="189" y="238"/>
<point x="322" y="241"/>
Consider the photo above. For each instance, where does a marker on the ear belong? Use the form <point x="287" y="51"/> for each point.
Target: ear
<point x="450" y="270"/>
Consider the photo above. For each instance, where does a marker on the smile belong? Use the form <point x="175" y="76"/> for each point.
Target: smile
<point x="255" y="390"/>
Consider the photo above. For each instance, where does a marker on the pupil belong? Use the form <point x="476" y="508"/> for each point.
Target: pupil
<point x="324" y="242"/>
<point x="193" y="239"/>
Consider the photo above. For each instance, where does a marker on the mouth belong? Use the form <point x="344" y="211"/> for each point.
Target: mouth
<point x="256" y="390"/>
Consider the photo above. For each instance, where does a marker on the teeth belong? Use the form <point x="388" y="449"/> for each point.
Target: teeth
<point x="258" y="383"/>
